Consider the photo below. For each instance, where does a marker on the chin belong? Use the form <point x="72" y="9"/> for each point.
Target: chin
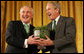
<point x="25" y="21"/>
<point x="50" y="18"/>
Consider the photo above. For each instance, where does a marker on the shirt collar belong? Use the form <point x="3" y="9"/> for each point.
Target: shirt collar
<point x="27" y="23"/>
<point x="57" y="18"/>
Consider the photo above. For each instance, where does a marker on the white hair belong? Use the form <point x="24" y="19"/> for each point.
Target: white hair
<point x="27" y="7"/>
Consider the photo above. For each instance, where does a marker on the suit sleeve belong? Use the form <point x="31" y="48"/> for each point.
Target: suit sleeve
<point x="70" y="33"/>
<point x="12" y="38"/>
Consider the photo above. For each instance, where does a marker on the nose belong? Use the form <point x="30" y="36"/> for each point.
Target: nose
<point x="25" y="13"/>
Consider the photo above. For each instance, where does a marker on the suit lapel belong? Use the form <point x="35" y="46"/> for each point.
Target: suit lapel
<point x="31" y="30"/>
<point x="59" y="24"/>
<point x="50" y="25"/>
<point x="23" y="29"/>
<point x="52" y="33"/>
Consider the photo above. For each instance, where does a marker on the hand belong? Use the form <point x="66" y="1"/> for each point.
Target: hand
<point x="33" y="40"/>
<point x="47" y="42"/>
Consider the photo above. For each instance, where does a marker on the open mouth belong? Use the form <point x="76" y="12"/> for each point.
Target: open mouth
<point x="49" y="14"/>
<point x="25" y="17"/>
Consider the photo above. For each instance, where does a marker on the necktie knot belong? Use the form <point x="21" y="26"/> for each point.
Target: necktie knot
<point x="26" y="25"/>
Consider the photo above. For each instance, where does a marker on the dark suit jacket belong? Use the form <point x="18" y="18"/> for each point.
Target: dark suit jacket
<point x="15" y="37"/>
<point x="64" y="36"/>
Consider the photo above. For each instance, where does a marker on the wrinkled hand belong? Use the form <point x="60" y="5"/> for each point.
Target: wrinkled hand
<point x="33" y="40"/>
<point x="47" y="42"/>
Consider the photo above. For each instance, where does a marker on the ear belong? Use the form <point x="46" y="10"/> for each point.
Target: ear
<point x="32" y="16"/>
<point x="57" y="9"/>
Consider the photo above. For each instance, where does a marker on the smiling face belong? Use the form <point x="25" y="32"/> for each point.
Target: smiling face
<point x="26" y="14"/>
<point x="51" y="11"/>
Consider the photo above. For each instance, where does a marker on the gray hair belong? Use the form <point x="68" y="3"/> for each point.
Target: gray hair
<point x="56" y="5"/>
<point x="27" y="7"/>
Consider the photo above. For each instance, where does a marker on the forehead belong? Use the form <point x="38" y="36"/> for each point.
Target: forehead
<point x="50" y="5"/>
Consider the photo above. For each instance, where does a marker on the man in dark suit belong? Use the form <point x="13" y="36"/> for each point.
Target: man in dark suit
<point x="19" y="34"/>
<point x="63" y="31"/>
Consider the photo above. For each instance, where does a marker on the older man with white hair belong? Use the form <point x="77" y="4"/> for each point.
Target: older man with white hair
<point x="19" y="34"/>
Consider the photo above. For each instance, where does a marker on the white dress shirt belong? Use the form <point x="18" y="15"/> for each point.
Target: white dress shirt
<point x="25" y="42"/>
<point x="56" y="21"/>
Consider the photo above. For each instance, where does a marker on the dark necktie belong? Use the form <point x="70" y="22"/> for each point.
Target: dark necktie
<point x="54" y="27"/>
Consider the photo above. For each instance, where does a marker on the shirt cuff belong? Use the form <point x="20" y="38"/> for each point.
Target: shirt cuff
<point x="25" y="44"/>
